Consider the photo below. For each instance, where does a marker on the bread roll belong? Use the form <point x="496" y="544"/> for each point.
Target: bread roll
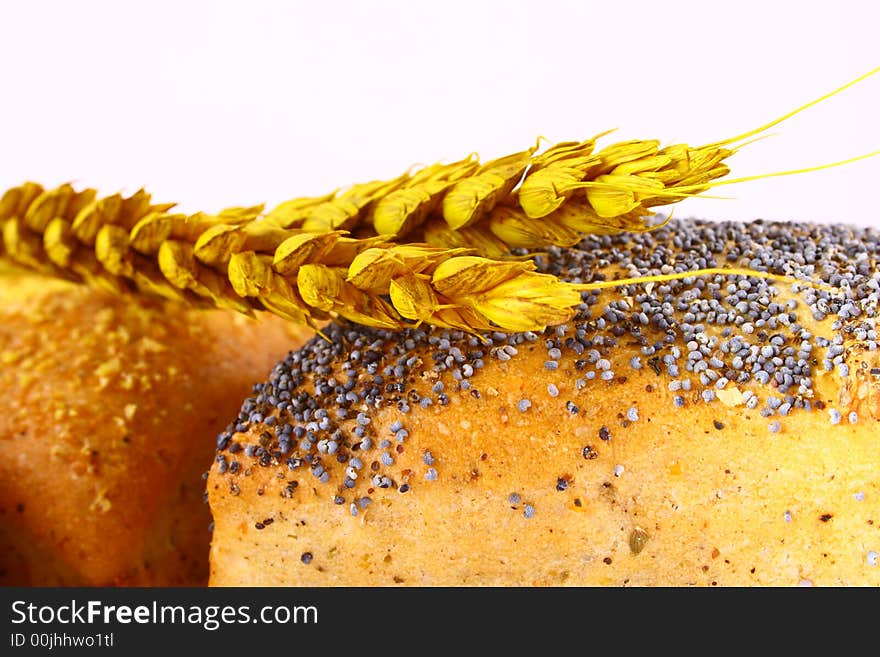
<point x="710" y="431"/>
<point x="108" y="419"/>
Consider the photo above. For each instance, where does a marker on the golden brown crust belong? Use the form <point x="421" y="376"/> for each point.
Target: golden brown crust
<point x="108" y="419"/>
<point x="545" y="476"/>
<point x="710" y="504"/>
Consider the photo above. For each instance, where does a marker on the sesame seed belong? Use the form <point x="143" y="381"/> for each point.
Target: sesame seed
<point x="523" y="405"/>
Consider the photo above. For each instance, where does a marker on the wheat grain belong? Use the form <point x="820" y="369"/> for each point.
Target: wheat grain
<point x="404" y="209"/>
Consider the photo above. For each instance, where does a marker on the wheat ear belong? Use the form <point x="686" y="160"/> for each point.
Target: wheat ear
<point x="239" y="260"/>
<point x="304" y="260"/>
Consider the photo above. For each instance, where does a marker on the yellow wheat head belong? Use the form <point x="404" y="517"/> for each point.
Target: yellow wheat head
<point x="436" y="245"/>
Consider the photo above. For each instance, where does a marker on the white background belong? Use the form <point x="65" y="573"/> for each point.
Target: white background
<point x="213" y="104"/>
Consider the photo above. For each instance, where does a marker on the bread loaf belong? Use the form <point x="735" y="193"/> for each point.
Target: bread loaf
<point x="108" y="420"/>
<point x="717" y="430"/>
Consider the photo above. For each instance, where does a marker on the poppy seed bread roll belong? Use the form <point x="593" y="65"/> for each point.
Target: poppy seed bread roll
<point x="110" y="411"/>
<point x="717" y="430"/>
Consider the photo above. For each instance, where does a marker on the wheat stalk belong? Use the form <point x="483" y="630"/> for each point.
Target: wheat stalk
<point x="238" y="259"/>
<point x="520" y="200"/>
<point x="430" y="246"/>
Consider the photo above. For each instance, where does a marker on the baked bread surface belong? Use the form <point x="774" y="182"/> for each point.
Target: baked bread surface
<point x="108" y="421"/>
<point x="532" y="466"/>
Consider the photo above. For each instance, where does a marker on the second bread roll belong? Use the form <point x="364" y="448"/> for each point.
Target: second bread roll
<point x="108" y="417"/>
